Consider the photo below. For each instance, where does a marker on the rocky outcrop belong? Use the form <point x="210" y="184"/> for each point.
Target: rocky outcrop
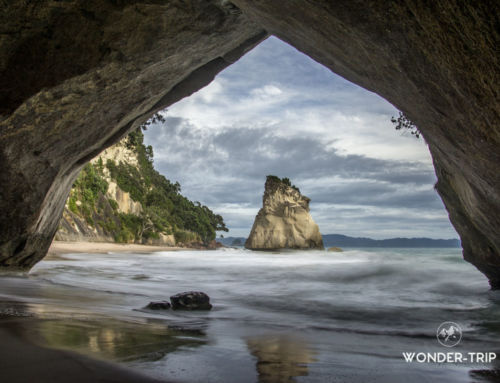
<point x="158" y="305"/>
<point x="162" y="240"/>
<point x="119" y="153"/>
<point x="284" y="221"/>
<point x="211" y="245"/>
<point x="102" y="221"/>
<point x="125" y="204"/>
<point x="75" y="228"/>
<point x="75" y="76"/>
<point x="191" y="300"/>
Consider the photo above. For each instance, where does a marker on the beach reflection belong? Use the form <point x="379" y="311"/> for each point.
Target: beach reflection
<point x="280" y="358"/>
<point x="115" y="340"/>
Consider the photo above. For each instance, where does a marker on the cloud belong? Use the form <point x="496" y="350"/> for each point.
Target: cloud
<point x="267" y="91"/>
<point x="277" y="111"/>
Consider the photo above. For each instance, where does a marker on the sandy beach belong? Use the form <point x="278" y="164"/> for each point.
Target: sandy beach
<point x="59" y="248"/>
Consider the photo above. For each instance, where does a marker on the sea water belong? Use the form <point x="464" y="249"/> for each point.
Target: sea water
<point x="304" y="316"/>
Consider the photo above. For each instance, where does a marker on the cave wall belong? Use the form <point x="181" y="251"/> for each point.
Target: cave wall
<point x="77" y="75"/>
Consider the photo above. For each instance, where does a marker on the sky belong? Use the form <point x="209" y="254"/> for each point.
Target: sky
<point x="277" y="111"/>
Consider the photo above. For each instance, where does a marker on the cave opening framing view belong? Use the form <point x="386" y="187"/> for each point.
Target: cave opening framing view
<point x="76" y="77"/>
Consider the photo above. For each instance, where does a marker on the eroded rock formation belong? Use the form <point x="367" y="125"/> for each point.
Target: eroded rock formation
<point x="75" y="76"/>
<point x="284" y="221"/>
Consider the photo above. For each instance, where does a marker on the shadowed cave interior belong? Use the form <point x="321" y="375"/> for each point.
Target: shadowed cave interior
<point x="76" y="76"/>
<point x="58" y="116"/>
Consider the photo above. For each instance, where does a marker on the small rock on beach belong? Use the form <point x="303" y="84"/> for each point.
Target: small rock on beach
<point x="191" y="300"/>
<point x="158" y="305"/>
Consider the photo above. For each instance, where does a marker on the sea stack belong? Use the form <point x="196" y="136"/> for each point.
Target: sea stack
<point x="284" y="221"/>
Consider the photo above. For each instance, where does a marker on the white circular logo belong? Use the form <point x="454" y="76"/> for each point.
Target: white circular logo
<point x="449" y="334"/>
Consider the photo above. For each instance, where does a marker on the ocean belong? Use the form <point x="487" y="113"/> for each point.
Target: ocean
<point x="288" y="316"/>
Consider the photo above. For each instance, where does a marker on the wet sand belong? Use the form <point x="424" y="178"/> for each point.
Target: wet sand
<point x="22" y="361"/>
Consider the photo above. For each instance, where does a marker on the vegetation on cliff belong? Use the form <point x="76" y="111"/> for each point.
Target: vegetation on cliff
<point x="285" y="181"/>
<point x="163" y="209"/>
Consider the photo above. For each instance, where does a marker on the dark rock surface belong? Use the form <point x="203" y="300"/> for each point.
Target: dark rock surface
<point x="75" y="76"/>
<point x="158" y="305"/>
<point x="191" y="300"/>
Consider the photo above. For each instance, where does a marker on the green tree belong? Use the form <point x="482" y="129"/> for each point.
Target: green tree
<point x="285" y="181"/>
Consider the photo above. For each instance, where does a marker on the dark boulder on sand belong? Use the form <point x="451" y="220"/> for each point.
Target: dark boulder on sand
<point x="191" y="300"/>
<point x="158" y="305"/>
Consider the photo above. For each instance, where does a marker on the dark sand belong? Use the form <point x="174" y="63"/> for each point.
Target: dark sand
<point x="21" y="360"/>
<point x="24" y="362"/>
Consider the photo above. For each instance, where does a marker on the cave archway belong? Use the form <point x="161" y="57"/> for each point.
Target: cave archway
<point x="75" y="77"/>
<point x="276" y="111"/>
